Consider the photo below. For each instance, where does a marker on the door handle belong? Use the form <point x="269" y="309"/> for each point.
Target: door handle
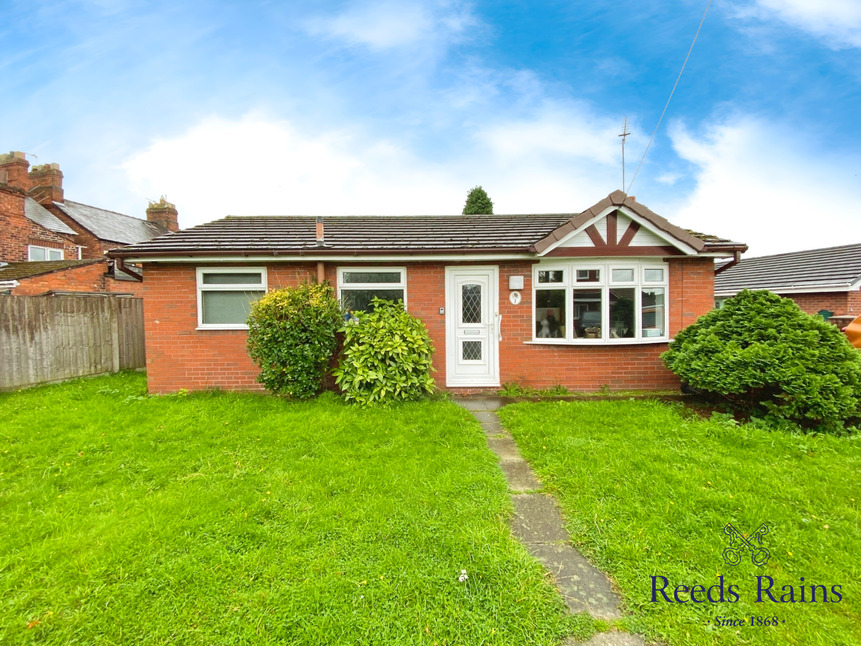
<point x="499" y="326"/>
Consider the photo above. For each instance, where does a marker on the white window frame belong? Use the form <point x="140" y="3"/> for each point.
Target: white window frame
<point x="605" y="267"/>
<point x="402" y="284"/>
<point x="244" y="287"/>
<point x="47" y="250"/>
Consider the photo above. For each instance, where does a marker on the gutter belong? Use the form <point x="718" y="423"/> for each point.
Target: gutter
<point x="736" y="258"/>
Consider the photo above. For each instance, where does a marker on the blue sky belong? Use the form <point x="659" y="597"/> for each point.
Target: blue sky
<point x="395" y="106"/>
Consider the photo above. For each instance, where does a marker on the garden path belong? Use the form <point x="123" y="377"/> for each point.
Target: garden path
<point x="538" y="524"/>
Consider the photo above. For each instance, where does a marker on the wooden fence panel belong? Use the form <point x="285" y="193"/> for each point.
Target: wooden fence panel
<point x="52" y="338"/>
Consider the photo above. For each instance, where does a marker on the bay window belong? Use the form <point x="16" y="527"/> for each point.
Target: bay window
<point x="600" y="302"/>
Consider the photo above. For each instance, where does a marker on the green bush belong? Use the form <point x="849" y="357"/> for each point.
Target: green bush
<point x="387" y="356"/>
<point x="766" y="357"/>
<point x="291" y="336"/>
<point x="478" y="202"/>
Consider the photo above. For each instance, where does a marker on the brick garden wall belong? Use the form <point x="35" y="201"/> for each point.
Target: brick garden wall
<point x="180" y="356"/>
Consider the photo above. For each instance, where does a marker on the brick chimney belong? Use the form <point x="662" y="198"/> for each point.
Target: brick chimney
<point x="46" y="183"/>
<point x="13" y="170"/>
<point x="164" y="214"/>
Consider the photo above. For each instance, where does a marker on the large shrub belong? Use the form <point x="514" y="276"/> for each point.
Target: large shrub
<point x="291" y="336"/>
<point x="478" y="202"/>
<point x="387" y="356"/>
<point x="765" y="356"/>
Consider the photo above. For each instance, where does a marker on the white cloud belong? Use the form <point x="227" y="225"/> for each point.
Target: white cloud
<point x="757" y="185"/>
<point x="836" y="22"/>
<point x="387" y="24"/>
<point x="261" y="165"/>
<point x="567" y="131"/>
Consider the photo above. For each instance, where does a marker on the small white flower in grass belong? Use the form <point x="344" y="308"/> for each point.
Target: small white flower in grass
<point x="463" y="576"/>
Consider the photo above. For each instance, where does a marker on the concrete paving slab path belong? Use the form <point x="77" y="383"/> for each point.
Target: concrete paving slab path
<point x="538" y="525"/>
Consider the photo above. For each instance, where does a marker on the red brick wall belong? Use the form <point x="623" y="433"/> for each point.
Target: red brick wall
<point x="836" y="302"/>
<point x="180" y="356"/>
<point x="87" y="278"/>
<point x="17" y="232"/>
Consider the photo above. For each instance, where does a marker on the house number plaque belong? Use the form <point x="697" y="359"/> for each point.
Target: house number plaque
<point x="514" y="297"/>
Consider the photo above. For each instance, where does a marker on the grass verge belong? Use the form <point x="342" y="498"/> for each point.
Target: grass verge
<point x="247" y="519"/>
<point x="647" y="488"/>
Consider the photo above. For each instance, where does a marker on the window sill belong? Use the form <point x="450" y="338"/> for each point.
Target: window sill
<point x="203" y="328"/>
<point x="565" y="342"/>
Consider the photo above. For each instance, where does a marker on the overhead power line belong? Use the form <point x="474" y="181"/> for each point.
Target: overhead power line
<point x="645" y="152"/>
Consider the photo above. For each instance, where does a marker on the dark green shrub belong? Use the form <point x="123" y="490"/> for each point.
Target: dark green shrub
<point x="387" y="356"/>
<point x="478" y="202"/>
<point x="291" y="336"/>
<point x="766" y="357"/>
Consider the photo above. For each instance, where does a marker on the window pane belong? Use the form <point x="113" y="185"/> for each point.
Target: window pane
<point x="233" y="279"/>
<point x="371" y="277"/>
<point x="623" y="275"/>
<point x="359" y="300"/>
<point x="550" y="276"/>
<point x="471" y="351"/>
<point x="470" y="303"/>
<point x="55" y="254"/>
<point x="653" y="312"/>
<point x="587" y="313"/>
<point x="588" y="275"/>
<point x="654" y="275"/>
<point x="36" y="253"/>
<point x="223" y="308"/>
<point x="550" y="314"/>
<point x="622" y="312"/>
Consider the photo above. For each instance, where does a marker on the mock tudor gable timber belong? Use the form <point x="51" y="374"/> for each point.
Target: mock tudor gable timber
<point x="618" y="225"/>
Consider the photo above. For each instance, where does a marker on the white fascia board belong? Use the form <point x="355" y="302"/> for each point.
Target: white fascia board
<point x="9" y="284"/>
<point x="352" y="258"/>
<point x="678" y="244"/>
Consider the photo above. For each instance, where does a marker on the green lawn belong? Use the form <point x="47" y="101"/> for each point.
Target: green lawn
<point x="246" y="519"/>
<point x="647" y="489"/>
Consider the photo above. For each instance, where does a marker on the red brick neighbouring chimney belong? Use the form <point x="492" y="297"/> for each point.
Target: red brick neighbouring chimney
<point x="14" y="167"/>
<point x="164" y="214"/>
<point x="46" y="183"/>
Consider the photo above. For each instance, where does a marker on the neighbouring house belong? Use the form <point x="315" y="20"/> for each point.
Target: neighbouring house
<point x="586" y="300"/>
<point x="819" y="280"/>
<point x="37" y="224"/>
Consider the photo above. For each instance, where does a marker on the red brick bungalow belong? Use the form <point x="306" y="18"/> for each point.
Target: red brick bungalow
<point x="583" y="300"/>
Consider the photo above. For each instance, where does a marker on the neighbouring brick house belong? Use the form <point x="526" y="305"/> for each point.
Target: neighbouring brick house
<point x="817" y="279"/>
<point x="582" y="300"/>
<point x="37" y="224"/>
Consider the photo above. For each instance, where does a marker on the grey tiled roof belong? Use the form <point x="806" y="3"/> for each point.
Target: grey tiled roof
<point x="44" y="218"/>
<point x="811" y="271"/>
<point x="110" y="225"/>
<point x="344" y="234"/>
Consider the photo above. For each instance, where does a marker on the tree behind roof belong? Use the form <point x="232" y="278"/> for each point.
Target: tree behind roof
<point x="477" y="202"/>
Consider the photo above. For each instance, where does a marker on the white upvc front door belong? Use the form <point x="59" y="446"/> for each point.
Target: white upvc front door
<point x="472" y="326"/>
